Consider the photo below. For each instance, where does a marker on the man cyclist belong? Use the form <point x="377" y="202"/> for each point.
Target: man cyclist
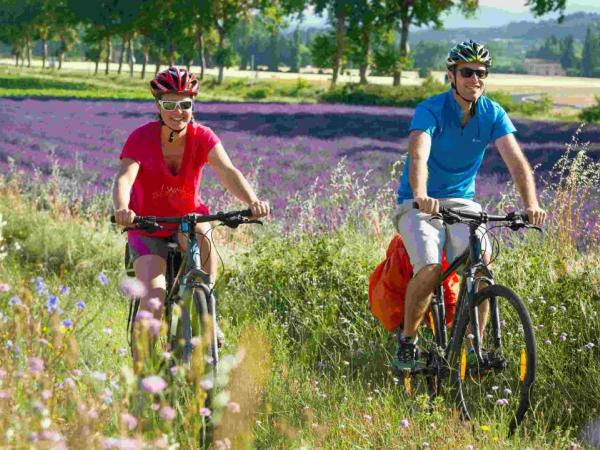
<point x="160" y="173"/>
<point x="448" y="137"/>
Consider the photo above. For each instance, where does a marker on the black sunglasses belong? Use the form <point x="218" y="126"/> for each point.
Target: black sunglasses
<point x="466" y="72"/>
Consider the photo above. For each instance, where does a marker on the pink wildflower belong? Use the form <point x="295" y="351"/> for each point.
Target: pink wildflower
<point x="129" y="421"/>
<point x="153" y="384"/>
<point x="205" y="412"/>
<point x="154" y="304"/>
<point x="404" y="423"/>
<point x="233" y="407"/>
<point x="36" y="365"/>
<point x="167" y="413"/>
<point x="132" y="287"/>
<point x="4" y="287"/>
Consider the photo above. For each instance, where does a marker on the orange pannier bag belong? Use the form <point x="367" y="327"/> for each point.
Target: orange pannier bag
<point x="387" y="286"/>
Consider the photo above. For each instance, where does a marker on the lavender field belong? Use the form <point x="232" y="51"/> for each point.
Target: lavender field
<point x="284" y="148"/>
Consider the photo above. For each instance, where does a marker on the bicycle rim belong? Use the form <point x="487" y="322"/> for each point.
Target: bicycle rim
<point x="497" y="388"/>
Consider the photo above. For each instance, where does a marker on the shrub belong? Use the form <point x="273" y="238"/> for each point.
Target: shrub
<point x="259" y="92"/>
<point x="370" y="94"/>
<point x="591" y="114"/>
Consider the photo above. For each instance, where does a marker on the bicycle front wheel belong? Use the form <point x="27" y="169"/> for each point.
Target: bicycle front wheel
<point x="495" y="386"/>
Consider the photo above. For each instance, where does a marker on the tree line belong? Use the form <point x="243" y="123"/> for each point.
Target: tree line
<point x="576" y="59"/>
<point x="369" y="33"/>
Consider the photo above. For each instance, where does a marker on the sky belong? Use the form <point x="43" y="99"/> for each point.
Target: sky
<point x="493" y="13"/>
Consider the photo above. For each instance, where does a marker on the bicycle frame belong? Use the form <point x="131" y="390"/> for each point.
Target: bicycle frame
<point x="473" y="271"/>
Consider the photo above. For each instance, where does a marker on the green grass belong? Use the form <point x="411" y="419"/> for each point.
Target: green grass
<point x="316" y="371"/>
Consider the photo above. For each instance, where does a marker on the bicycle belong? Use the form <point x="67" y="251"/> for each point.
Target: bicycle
<point x="189" y="305"/>
<point x="486" y="363"/>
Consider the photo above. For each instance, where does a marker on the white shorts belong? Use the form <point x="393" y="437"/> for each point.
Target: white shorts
<point x="425" y="239"/>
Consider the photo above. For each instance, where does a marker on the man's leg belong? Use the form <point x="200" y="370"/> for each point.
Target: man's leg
<point x="418" y="296"/>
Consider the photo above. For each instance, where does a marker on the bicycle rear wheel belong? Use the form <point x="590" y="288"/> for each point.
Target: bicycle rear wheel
<point x="495" y="388"/>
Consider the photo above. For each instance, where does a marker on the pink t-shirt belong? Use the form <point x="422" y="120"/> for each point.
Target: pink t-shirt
<point x="156" y="191"/>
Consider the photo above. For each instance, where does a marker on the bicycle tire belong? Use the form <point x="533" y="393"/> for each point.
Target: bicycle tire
<point x="482" y="390"/>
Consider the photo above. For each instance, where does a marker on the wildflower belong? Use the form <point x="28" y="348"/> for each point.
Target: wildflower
<point x="153" y="325"/>
<point x="107" y="397"/>
<point x="69" y="382"/>
<point x="92" y="413"/>
<point x="43" y="341"/>
<point x="547" y="342"/>
<point x="485" y="428"/>
<point x="67" y="323"/>
<point x="143" y="314"/>
<point x="107" y="331"/>
<point x="122" y="351"/>
<point x="36" y="365"/>
<point x="64" y="290"/>
<point x="40" y="286"/>
<point x="501" y="402"/>
<point x="470" y="447"/>
<point x="233" y="407"/>
<point x="153" y="384"/>
<point x="76" y="373"/>
<point x="404" y="423"/>
<point x="45" y="423"/>
<point x="4" y="395"/>
<point x="102" y="278"/>
<point x="132" y="287"/>
<point x="205" y="412"/>
<point x="122" y="444"/>
<point x="129" y="421"/>
<point x="155" y="406"/>
<point x="52" y="436"/>
<point x="4" y="287"/>
<point x="367" y="417"/>
<point x="46" y="394"/>
<point x="167" y="413"/>
<point x="154" y="304"/>
<point x="80" y="304"/>
<point x="2" y="374"/>
<point x="562" y="337"/>
<point x="99" y="376"/>
<point x="589" y="346"/>
<point x="14" y="301"/>
<point x="224" y="444"/>
<point x="52" y="303"/>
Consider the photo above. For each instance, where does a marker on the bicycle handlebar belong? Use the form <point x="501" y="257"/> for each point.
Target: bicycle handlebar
<point x="453" y="215"/>
<point x="231" y="219"/>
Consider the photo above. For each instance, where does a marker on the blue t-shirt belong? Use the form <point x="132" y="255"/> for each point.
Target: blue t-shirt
<point x="456" y="152"/>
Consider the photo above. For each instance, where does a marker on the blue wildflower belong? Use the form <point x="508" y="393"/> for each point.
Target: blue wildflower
<point x="52" y="303"/>
<point x="13" y="301"/>
<point x="80" y="304"/>
<point x="64" y="290"/>
<point x="40" y="286"/>
<point x="102" y="278"/>
<point x="67" y="323"/>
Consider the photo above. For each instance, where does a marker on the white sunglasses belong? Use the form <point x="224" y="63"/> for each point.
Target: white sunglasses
<point x="171" y="105"/>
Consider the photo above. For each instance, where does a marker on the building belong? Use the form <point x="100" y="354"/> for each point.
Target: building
<point x="535" y="66"/>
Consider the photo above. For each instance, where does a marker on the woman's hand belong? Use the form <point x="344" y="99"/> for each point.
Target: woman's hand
<point x="259" y="209"/>
<point x="124" y="217"/>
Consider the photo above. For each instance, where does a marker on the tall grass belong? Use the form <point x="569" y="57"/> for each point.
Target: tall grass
<point x="307" y="364"/>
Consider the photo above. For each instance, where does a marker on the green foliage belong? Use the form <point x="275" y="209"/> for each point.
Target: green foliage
<point x="322" y="50"/>
<point x="540" y="105"/>
<point x="590" y="60"/>
<point x="430" y="56"/>
<point x="383" y="95"/>
<point x="592" y="114"/>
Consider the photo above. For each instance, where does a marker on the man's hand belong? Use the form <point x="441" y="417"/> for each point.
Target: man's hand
<point x="259" y="209"/>
<point x="124" y="217"/>
<point x="428" y="205"/>
<point x="537" y="216"/>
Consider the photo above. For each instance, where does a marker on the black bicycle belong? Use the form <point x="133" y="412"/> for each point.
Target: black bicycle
<point x="189" y="305"/>
<point x="490" y="358"/>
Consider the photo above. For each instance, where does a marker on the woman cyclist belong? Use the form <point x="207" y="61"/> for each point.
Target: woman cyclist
<point x="160" y="173"/>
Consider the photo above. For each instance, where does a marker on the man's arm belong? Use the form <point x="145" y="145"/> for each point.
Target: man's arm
<point x="233" y="180"/>
<point x="521" y="173"/>
<point x="419" y="148"/>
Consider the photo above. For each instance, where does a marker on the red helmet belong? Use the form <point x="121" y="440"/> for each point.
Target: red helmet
<point x="174" y="81"/>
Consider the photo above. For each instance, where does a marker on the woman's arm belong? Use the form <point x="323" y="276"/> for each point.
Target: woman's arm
<point x="233" y="180"/>
<point x="122" y="191"/>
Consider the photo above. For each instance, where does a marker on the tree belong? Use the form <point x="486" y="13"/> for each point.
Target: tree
<point x="590" y="60"/>
<point x="568" y="56"/>
<point x="338" y="13"/>
<point x="323" y="50"/>
<point x="364" y="17"/>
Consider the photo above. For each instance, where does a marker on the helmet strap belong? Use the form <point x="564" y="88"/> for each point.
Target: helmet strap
<point x="470" y="102"/>
<point x="173" y="130"/>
